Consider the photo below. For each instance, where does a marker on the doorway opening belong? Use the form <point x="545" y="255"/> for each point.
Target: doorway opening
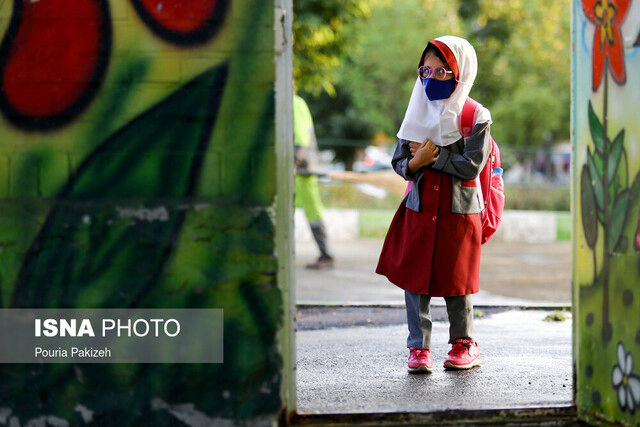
<point x="351" y="322"/>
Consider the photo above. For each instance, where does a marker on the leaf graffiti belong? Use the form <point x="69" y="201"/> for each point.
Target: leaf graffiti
<point x="618" y="219"/>
<point x="595" y="172"/>
<point x="596" y="128"/>
<point x="594" y="184"/>
<point x="614" y="156"/>
<point x="588" y="208"/>
<point x="605" y="200"/>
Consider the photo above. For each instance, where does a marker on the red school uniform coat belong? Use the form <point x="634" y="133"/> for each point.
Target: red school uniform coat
<point x="434" y="251"/>
<point x="429" y="249"/>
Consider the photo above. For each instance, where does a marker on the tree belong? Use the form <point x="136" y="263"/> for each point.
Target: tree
<point x="340" y="126"/>
<point x="323" y="31"/>
<point x="528" y="117"/>
<point x="381" y="72"/>
<point x="523" y="52"/>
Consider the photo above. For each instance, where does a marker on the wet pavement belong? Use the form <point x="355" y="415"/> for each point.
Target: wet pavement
<point x="510" y="274"/>
<point x="351" y="339"/>
<point x="356" y="369"/>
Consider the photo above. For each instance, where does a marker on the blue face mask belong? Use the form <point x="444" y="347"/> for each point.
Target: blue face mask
<point x="438" y="89"/>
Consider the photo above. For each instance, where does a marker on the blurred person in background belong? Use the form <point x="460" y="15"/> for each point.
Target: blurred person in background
<point x="307" y="194"/>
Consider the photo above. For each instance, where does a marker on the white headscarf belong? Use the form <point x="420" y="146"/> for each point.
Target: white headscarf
<point x="438" y="120"/>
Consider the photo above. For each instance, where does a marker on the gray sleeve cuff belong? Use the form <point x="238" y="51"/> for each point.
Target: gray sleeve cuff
<point x="441" y="161"/>
<point x="470" y="157"/>
<point x="411" y="176"/>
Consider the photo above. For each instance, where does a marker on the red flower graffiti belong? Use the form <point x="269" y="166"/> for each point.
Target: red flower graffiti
<point x="177" y="23"/>
<point x="607" y="39"/>
<point x="52" y="60"/>
<point x="55" y="53"/>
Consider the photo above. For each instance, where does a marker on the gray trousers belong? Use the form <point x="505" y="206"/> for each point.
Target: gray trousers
<point x="459" y="310"/>
<point x="320" y="236"/>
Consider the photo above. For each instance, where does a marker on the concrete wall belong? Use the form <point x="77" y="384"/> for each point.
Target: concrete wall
<point x="341" y="225"/>
<point x="138" y="168"/>
<point x="606" y="205"/>
<point x="344" y="225"/>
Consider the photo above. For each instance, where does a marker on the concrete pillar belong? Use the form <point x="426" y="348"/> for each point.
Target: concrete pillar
<point x="140" y="162"/>
<point x="605" y="206"/>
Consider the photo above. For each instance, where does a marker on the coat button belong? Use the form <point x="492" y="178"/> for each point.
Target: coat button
<point x="436" y="187"/>
<point x="434" y="218"/>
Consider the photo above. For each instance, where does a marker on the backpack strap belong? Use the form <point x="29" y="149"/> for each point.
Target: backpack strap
<point x="466" y="122"/>
<point x="467" y="117"/>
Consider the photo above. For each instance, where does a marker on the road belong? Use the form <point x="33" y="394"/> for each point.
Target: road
<point x="353" y="359"/>
<point x="510" y="274"/>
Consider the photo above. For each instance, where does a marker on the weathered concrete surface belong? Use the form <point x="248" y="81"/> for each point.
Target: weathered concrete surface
<point x="526" y="363"/>
<point x="510" y="274"/>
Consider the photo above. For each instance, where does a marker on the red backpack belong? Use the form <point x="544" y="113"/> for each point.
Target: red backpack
<point x="491" y="184"/>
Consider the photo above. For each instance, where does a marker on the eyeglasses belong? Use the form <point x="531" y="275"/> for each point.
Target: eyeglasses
<point x="438" y="73"/>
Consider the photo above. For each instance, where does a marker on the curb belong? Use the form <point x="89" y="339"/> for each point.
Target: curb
<point x="516" y="226"/>
<point x="543" y="307"/>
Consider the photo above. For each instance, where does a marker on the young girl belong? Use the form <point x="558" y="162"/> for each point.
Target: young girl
<point x="432" y="248"/>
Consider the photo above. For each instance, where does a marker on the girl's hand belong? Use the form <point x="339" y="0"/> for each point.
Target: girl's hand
<point x="426" y="154"/>
<point x="413" y="147"/>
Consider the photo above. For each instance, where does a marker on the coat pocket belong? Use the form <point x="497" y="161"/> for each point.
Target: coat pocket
<point x="465" y="197"/>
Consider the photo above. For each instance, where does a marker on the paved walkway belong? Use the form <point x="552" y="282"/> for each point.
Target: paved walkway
<point x="510" y="274"/>
<point x="526" y="363"/>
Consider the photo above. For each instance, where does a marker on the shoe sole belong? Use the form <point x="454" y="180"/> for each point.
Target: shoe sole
<point x="420" y="369"/>
<point x="449" y="365"/>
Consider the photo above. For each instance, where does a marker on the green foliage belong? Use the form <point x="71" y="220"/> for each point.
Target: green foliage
<point x="346" y="195"/>
<point x="380" y="74"/>
<point x="527" y="116"/>
<point x="374" y="223"/>
<point x="337" y="117"/>
<point x="563" y="232"/>
<point x="523" y="52"/>
<point x="538" y="198"/>
<point x="323" y="31"/>
<point x="557" y="316"/>
<point x="523" y="58"/>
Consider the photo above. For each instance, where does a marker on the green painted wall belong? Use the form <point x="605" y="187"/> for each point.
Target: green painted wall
<point x="606" y="207"/>
<point x="138" y="169"/>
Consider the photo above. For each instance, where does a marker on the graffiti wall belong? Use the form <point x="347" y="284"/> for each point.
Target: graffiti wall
<point x="606" y="208"/>
<point x="137" y="169"/>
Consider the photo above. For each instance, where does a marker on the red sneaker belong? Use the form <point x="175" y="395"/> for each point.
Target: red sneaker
<point x="420" y="360"/>
<point x="463" y="355"/>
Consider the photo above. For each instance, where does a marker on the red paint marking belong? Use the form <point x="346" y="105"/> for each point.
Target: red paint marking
<point x="174" y="15"/>
<point x="53" y="57"/>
